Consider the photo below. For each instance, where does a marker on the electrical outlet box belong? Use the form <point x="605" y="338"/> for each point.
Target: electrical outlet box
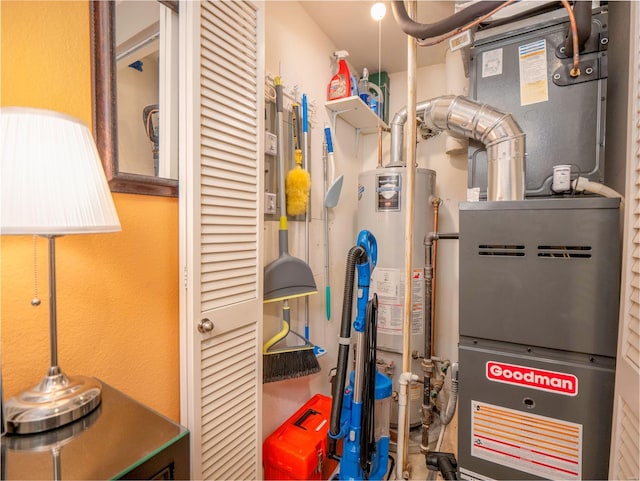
<point x="270" y="143"/>
<point x="269" y="203"/>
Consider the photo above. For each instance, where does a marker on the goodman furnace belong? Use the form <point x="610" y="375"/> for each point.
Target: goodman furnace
<point x="539" y="295"/>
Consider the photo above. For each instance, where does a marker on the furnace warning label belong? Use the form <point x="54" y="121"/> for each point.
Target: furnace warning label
<point x="534" y="87"/>
<point x="389" y="284"/>
<point x="545" y="447"/>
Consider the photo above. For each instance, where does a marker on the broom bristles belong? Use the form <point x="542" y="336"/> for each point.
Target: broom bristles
<point x="297" y="186"/>
<point x="289" y="365"/>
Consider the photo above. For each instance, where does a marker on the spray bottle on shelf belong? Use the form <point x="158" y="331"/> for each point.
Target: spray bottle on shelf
<point x="341" y="84"/>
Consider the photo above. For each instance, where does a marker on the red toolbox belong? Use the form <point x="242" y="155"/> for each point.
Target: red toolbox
<point x="298" y="448"/>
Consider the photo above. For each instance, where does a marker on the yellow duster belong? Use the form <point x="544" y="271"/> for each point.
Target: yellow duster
<point x="297" y="187"/>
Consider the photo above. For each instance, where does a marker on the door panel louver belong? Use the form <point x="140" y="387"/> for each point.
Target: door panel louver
<point x="228" y="414"/>
<point x="627" y="456"/>
<point x="229" y="153"/>
<point x="222" y="123"/>
<point x="625" y="453"/>
<point x="631" y="349"/>
<point x="631" y="333"/>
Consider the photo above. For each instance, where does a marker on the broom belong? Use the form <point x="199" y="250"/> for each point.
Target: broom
<point x="287" y="362"/>
<point x="298" y="182"/>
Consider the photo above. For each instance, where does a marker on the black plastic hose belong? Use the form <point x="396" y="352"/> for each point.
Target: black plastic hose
<point x="356" y="254"/>
<point x="423" y="31"/>
<point x="445" y="463"/>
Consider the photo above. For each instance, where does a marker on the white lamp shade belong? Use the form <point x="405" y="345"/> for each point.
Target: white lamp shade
<point x="51" y="178"/>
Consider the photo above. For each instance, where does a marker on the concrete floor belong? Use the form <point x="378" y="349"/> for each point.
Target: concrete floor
<point x="417" y="467"/>
<point x="416" y="463"/>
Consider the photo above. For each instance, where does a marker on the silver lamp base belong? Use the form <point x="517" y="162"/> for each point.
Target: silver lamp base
<point x="56" y="401"/>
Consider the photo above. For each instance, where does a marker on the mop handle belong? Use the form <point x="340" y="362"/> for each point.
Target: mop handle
<point x="280" y="135"/>
<point x="305" y="165"/>
<point x="327" y="136"/>
<point x="305" y="114"/>
<point x="327" y="279"/>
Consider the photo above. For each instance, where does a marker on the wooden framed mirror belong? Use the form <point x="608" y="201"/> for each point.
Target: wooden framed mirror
<point x="105" y="106"/>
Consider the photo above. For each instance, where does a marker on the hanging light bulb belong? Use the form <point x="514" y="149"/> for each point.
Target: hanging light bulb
<point x="378" y="11"/>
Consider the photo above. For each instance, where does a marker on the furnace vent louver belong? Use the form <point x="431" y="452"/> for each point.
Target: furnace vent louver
<point x="501" y="250"/>
<point x="565" y="252"/>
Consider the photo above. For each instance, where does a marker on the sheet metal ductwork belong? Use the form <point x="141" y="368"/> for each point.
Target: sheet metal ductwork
<point x="498" y="131"/>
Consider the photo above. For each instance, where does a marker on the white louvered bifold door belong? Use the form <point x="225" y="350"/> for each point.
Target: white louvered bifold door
<point x="221" y="170"/>
<point x="625" y="443"/>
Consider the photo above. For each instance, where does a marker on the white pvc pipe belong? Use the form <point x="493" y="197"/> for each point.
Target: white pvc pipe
<point x="403" y="418"/>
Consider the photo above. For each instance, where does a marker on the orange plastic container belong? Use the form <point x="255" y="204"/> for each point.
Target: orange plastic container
<point x="298" y="448"/>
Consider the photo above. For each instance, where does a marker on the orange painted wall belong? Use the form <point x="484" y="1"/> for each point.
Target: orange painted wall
<point x="118" y="308"/>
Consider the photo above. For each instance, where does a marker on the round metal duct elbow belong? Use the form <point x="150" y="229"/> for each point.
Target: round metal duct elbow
<point x="498" y="131"/>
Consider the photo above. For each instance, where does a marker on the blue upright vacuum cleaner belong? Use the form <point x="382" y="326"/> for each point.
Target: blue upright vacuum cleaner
<point x="360" y="412"/>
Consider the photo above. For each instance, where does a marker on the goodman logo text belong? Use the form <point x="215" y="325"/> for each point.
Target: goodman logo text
<point x="551" y="381"/>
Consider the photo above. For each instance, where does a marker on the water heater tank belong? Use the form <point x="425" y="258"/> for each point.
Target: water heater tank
<point x="381" y="210"/>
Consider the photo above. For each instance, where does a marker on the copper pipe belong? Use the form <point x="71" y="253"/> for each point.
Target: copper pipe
<point x="435" y="203"/>
<point x="575" y="71"/>
<point x="458" y="30"/>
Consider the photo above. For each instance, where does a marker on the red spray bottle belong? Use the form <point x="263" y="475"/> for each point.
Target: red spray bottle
<point x="340" y="85"/>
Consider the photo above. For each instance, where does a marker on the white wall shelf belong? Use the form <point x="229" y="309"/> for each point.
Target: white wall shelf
<point x="356" y="113"/>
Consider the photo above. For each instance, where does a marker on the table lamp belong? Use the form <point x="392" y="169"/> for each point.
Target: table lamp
<point x="51" y="184"/>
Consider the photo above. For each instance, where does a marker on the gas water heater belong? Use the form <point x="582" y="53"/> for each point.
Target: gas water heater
<point x="381" y="211"/>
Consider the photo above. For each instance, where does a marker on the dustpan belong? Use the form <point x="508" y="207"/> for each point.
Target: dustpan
<point x="287" y="277"/>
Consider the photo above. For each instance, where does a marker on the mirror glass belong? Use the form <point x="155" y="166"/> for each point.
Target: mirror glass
<point x="135" y="78"/>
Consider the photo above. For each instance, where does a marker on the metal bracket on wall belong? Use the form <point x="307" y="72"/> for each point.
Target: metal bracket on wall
<point x="594" y="68"/>
<point x="591" y="69"/>
<point x="597" y="42"/>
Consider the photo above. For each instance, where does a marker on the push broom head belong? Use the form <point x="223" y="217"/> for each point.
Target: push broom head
<point x="279" y="366"/>
<point x="286" y="361"/>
